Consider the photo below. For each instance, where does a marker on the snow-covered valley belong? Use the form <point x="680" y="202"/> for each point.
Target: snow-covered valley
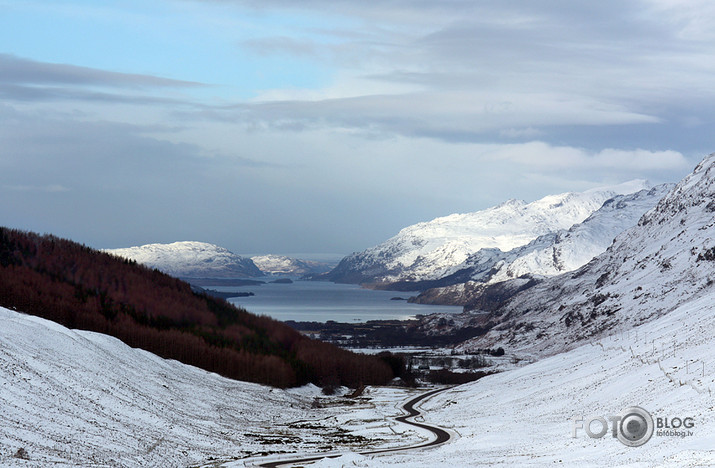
<point x="76" y="398"/>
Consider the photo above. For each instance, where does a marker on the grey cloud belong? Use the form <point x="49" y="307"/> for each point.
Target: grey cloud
<point x="114" y="184"/>
<point x="29" y="80"/>
<point x="13" y="92"/>
<point x="530" y="37"/>
<point x="53" y="188"/>
<point x="560" y="68"/>
<point x="449" y="116"/>
<point x="45" y="152"/>
<point x="17" y="70"/>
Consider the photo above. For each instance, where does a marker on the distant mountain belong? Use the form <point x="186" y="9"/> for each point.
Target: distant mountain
<point x="550" y="254"/>
<point x="191" y="260"/>
<point x="664" y="261"/>
<point x="432" y="250"/>
<point x="282" y="265"/>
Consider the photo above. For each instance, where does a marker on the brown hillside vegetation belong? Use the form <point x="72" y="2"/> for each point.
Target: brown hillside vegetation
<point x="83" y="288"/>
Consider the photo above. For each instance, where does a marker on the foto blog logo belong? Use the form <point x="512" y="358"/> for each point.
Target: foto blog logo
<point x="633" y="427"/>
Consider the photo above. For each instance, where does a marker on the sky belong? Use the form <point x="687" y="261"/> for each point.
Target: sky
<point x="318" y="126"/>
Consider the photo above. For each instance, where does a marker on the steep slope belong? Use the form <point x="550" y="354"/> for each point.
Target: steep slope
<point x="667" y="259"/>
<point x="283" y="265"/>
<point x="438" y="248"/>
<point x="191" y="260"/>
<point x="81" y="398"/>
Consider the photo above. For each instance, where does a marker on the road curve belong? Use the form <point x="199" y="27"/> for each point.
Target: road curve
<point x="441" y="436"/>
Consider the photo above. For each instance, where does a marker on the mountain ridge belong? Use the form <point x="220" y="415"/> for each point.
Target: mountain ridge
<point x="548" y="255"/>
<point x="665" y="260"/>
<point x="435" y="249"/>
<point x="191" y="259"/>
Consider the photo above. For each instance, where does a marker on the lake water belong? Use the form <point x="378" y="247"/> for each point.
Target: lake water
<point x="320" y="301"/>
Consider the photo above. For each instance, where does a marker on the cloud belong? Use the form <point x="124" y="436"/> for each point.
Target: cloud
<point x="448" y="116"/>
<point x="487" y="71"/>
<point x="106" y="182"/>
<point x="281" y="45"/>
<point x="23" y="79"/>
<point x="528" y="132"/>
<point x="255" y="190"/>
<point x="542" y="155"/>
<point x="421" y="108"/>
<point x="17" y="70"/>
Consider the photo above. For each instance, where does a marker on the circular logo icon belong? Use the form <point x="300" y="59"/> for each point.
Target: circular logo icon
<point x="636" y="426"/>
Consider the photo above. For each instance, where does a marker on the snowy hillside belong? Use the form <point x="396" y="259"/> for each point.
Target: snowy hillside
<point x="569" y="249"/>
<point x="524" y="417"/>
<point x="667" y="259"/>
<point x="434" y="249"/>
<point x="282" y="265"/>
<point x="77" y="398"/>
<point x="191" y="260"/>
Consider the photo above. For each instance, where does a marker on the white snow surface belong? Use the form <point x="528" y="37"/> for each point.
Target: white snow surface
<point x="191" y="259"/>
<point x="434" y="249"/>
<point x="78" y="398"/>
<point x="73" y="398"/>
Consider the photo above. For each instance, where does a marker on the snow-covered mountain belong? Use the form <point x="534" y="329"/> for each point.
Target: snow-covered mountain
<point x="191" y="260"/>
<point x="438" y="248"/>
<point x="664" y="261"/>
<point x="569" y="249"/>
<point x="550" y="254"/>
<point x="282" y="265"/>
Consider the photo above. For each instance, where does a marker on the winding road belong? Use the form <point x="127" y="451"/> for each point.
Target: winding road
<point x="441" y="436"/>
